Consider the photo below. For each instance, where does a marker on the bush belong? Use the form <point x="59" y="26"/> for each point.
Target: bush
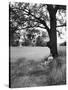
<point x="40" y="42"/>
<point x="27" y="42"/>
<point x="15" y="43"/>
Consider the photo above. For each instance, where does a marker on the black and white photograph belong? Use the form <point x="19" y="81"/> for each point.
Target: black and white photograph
<point x="37" y="44"/>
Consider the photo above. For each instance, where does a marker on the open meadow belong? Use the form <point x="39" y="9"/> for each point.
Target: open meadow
<point x="29" y="53"/>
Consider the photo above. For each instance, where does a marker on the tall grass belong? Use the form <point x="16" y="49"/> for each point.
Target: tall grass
<point x="30" y="73"/>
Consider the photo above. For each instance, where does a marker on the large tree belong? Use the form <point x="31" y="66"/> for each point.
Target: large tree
<point x="29" y="16"/>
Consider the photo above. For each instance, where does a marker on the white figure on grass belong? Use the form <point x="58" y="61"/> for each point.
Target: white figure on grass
<point x="49" y="59"/>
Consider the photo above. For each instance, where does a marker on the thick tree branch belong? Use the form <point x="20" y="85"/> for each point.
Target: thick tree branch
<point x="59" y="32"/>
<point x="61" y="25"/>
<point x="41" y="27"/>
<point x="39" y="20"/>
<point x="35" y="26"/>
<point x="28" y="11"/>
<point x="60" y="7"/>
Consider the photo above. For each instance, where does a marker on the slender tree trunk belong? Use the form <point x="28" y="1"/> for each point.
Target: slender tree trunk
<point x="52" y="33"/>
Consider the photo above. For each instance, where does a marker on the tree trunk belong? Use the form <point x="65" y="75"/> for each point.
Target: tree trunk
<point x="52" y="33"/>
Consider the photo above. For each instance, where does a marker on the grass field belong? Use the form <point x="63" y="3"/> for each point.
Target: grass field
<point x="29" y="53"/>
<point x="31" y="73"/>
